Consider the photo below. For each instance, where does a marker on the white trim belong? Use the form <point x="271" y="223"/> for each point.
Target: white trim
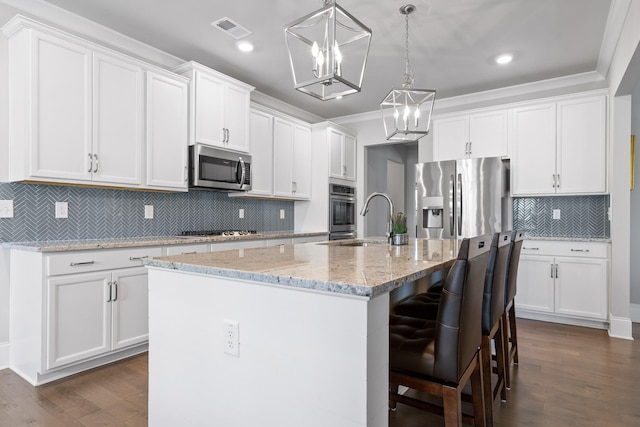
<point x="558" y="318"/>
<point x="613" y="28"/>
<point x="529" y="91"/>
<point x="4" y="355"/>
<point x="85" y="28"/>
<point x="620" y="327"/>
<point x="635" y="312"/>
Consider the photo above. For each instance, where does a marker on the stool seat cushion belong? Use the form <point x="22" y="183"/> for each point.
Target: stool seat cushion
<point x="412" y="344"/>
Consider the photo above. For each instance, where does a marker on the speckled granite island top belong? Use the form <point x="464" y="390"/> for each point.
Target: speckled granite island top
<point x="356" y="267"/>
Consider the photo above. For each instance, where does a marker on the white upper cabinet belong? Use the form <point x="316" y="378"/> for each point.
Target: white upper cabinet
<point x="77" y="111"/>
<point x="166" y="133"/>
<point x="560" y="147"/>
<point x="118" y="111"/>
<point x="219" y="108"/>
<point x="342" y="154"/>
<point x="292" y="159"/>
<point x="475" y="135"/>
<point x="261" y="137"/>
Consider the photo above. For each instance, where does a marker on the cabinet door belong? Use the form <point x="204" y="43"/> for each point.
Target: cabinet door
<point x="79" y="317"/>
<point x="582" y="146"/>
<point x="535" y="283"/>
<point x="581" y="287"/>
<point x="261" y="153"/>
<point x="282" y="157"/>
<point x="450" y="138"/>
<point x="209" y="110"/>
<point x="336" y="150"/>
<point x="118" y="111"/>
<point x="130" y="307"/>
<point x="302" y="164"/>
<point x="349" y="158"/>
<point x="60" y="110"/>
<point x="236" y="107"/>
<point x="488" y="134"/>
<point x="533" y="161"/>
<point x="166" y="159"/>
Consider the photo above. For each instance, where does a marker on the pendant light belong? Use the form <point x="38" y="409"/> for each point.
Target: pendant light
<point x="328" y="52"/>
<point x="406" y="112"/>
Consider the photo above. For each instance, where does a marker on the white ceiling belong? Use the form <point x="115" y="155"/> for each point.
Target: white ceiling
<point x="452" y="42"/>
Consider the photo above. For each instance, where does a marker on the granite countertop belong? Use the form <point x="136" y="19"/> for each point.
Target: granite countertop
<point x="571" y="239"/>
<point x="335" y="266"/>
<point x="81" y="245"/>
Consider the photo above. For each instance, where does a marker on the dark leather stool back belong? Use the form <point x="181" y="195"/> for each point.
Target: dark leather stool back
<point x="458" y="331"/>
<point x="495" y="280"/>
<point x="512" y="272"/>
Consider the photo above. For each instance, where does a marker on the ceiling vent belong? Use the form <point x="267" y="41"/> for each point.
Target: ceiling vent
<point x="231" y="28"/>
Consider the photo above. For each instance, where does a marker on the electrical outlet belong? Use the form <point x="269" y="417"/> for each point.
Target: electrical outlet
<point x="148" y="211"/>
<point x="62" y="210"/>
<point x="6" y="208"/>
<point x="281" y="213"/>
<point x="231" y="341"/>
<point x="240" y="213"/>
<point x="556" y="214"/>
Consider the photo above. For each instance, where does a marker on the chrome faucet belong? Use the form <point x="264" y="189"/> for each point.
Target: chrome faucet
<point x="365" y="209"/>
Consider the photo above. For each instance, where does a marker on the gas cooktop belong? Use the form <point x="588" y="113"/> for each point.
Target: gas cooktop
<point x="218" y="232"/>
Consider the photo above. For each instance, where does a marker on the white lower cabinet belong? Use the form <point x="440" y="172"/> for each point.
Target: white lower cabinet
<point x="94" y="313"/>
<point x="566" y="279"/>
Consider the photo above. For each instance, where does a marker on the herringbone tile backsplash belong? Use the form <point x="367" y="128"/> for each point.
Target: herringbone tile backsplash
<point x="580" y="216"/>
<point x="96" y="213"/>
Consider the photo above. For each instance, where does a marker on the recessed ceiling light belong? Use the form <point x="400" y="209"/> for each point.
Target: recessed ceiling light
<point x="503" y="59"/>
<point x="244" y="45"/>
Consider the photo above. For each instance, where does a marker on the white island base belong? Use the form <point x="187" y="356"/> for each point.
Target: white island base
<point x="306" y="357"/>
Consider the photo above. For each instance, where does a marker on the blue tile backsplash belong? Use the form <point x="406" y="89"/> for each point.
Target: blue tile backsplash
<point x="97" y="213"/>
<point x="580" y="216"/>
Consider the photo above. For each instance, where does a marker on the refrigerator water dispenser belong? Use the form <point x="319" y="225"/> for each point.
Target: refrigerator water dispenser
<point x="432" y="212"/>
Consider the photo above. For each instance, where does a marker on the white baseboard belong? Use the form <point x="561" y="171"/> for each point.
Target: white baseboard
<point x="635" y="313"/>
<point x="620" y="327"/>
<point x="4" y="355"/>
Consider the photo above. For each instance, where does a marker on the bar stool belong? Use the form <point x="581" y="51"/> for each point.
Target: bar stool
<point x="440" y="357"/>
<point x="510" y="331"/>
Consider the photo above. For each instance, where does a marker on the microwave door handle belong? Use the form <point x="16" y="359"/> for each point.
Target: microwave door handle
<point x="243" y="172"/>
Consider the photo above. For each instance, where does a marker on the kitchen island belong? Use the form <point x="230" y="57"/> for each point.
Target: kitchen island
<point x="309" y="324"/>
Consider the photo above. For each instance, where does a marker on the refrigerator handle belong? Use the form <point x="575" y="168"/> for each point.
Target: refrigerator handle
<point x="459" y="204"/>
<point x="452" y="193"/>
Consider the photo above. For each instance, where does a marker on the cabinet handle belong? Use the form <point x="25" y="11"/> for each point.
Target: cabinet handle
<point x="552" y="270"/>
<point x="556" y="271"/>
<point x="531" y="249"/>
<point x="75" y="264"/>
<point x="186" y="173"/>
<point x="470" y="142"/>
<point x="138" y="258"/>
<point x="110" y="287"/>
<point x="344" y="169"/>
<point x="90" y="162"/>
<point x="558" y="180"/>
<point x="188" y="253"/>
<point x="95" y="168"/>
<point x="224" y="135"/>
<point x="579" y="250"/>
<point x="228" y="135"/>
<point x="466" y="148"/>
<point x="294" y="186"/>
<point x="115" y="286"/>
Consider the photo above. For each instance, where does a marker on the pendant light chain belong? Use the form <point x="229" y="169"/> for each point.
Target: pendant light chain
<point x="408" y="73"/>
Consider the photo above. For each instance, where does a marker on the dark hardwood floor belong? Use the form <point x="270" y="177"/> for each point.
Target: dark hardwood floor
<point x="568" y="376"/>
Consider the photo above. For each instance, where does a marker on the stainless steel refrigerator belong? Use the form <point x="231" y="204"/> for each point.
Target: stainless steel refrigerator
<point x="462" y="198"/>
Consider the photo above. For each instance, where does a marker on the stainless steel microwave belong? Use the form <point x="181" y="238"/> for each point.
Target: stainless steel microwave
<point x="215" y="169"/>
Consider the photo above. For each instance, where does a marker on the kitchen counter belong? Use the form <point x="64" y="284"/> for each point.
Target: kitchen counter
<point x="298" y="333"/>
<point x="81" y="245"/>
<point x="337" y="266"/>
<point x="571" y="239"/>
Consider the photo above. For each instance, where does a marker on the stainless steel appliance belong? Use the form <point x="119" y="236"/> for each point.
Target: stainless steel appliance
<point x="342" y="212"/>
<point x="215" y="169"/>
<point x="462" y="198"/>
<point x="201" y="233"/>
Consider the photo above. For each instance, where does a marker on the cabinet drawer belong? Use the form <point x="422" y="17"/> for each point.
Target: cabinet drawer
<point x="572" y="249"/>
<point x="107" y="259"/>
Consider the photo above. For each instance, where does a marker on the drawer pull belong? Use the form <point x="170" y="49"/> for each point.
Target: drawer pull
<point x="110" y="284"/>
<point x="579" y="250"/>
<point x="76" y="264"/>
<point x="138" y="258"/>
<point x="115" y="286"/>
<point x="531" y="249"/>
<point x="188" y="253"/>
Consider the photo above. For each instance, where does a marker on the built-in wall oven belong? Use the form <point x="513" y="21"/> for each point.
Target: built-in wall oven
<point x="342" y="212"/>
